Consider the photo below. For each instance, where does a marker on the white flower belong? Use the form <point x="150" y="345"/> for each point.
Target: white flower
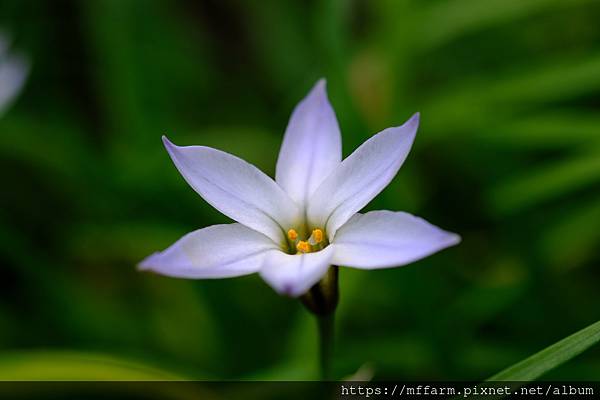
<point x="291" y="229"/>
<point x="13" y="71"/>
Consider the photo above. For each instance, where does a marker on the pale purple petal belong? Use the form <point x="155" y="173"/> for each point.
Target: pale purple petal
<point x="13" y="71"/>
<point x="236" y="188"/>
<point x="218" y="251"/>
<point x="293" y="275"/>
<point x="383" y="239"/>
<point x="361" y="176"/>
<point x="312" y="146"/>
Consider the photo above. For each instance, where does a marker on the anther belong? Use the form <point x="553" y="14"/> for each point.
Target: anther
<point x="317" y="235"/>
<point x="292" y="234"/>
<point x="303" y="247"/>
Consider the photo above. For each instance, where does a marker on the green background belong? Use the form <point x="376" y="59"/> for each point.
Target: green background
<point x="507" y="155"/>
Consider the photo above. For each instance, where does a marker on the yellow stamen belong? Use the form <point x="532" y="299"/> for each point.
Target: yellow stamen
<point x="292" y="234"/>
<point x="303" y="247"/>
<point x="317" y="235"/>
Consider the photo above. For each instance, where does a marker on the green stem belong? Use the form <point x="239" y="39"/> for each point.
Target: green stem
<point x="322" y="300"/>
<point x="326" y="340"/>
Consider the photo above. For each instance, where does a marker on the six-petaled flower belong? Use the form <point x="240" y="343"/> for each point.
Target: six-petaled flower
<point x="291" y="229"/>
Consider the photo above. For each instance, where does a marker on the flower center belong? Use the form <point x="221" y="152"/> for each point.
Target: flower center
<point x="315" y="242"/>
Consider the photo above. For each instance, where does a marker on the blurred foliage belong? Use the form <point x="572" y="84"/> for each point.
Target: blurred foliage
<point x="508" y="155"/>
<point x="57" y="365"/>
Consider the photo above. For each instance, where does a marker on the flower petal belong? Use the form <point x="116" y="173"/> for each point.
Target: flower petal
<point x="219" y="251"/>
<point x="236" y="188"/>
<point x="361" y="176"/>
<point x="13" y="71"/>
<point x="312" y="146"/>
<point x="294" y="274"/>
<point x="383" y="239"/>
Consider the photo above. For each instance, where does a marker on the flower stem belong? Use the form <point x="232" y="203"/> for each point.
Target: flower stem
<point x="322" y="300"/>
<point x="326" y="340"/>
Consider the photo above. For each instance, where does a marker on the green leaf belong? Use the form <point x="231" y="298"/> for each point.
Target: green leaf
<point x="553" y="129"/>
<point x="451" y="19"/>
<point x="551" y="357"/>
<point x="464" y="105"/>
<point x="544" y="183"/>
<point x="68" y="365"/>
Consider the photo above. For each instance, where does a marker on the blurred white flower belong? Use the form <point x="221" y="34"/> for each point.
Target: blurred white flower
<point x="291" y="229"/>
<point x="13" y="71"/>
